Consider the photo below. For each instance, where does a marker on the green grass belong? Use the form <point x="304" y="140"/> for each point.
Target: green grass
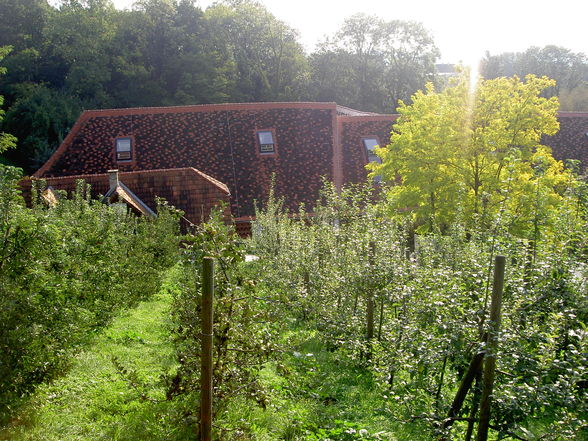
<point x="94" y="401"/>
<point x="313" y="393"/>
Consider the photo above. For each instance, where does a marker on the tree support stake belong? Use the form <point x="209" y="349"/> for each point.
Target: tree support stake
<point x="206" y="347"/>
<point x="491" y="348"/>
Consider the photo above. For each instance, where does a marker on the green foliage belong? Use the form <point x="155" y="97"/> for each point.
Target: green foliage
<point x="370" y="64"/>
<point x="293" y="359"/>
<point x="243" y="326"/>
<point x="6" y="141"/>
<point x="477" y="153"/>
<point x="94" y="400"/>
<point x="431" y="296"/>
<point x="270" y="64"/>
<point x="64" y="272"/>
<point x="22" y="22"/>
<point x="40" y="118"/>
<point x="77" y="41"/>
<point x="569" y="69"/>
<point x="574" y="100"/>
<point x="343" y="431"/>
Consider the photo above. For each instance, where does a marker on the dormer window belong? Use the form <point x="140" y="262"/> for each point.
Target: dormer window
<point x="267" y="145"/>
<point x="370" y="144"/>
<point x="124" y="149"/>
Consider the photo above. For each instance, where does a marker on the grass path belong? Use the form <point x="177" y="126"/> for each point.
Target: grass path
<point x="93" y="401"/>
<point x="314" y="394"/>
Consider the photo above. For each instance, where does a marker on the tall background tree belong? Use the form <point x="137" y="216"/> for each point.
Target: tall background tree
<point x="370" y="64"/>
<point x="6" y="141"/>
<point x="569" y="70"/>
<point x="270" y="63"/>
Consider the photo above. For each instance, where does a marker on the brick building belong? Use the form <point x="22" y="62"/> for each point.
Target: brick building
<point x="194" y="156"/>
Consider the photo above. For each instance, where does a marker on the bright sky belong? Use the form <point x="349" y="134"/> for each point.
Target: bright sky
<point x="463" y="30"/>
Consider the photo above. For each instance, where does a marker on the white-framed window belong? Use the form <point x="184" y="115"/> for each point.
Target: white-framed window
<point x="124" y="149"/>
<point x="266" y="141"/>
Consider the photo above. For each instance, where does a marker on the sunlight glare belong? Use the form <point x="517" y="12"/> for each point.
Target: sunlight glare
<point x="473" y="66"/>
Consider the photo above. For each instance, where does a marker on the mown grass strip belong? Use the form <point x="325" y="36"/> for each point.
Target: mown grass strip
<point x="96" y="401"/>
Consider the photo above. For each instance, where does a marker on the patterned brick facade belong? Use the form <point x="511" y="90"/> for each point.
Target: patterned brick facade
<point x="353" y="130"/>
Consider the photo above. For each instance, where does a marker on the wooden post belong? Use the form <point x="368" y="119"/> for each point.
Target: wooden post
<point x="491" y="348"/>
<point x="474" y="408"/>
<point x="464" y="387"/>
<point x="381" y="318"/>
<point x="206" y="355"/>
<point x="370" y="294"/>
<point x="370" y="317"/>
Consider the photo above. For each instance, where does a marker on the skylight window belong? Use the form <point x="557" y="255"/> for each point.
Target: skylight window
<point x="266" y="142"/>
<point x="124" y="151"/>
<point x="370" y="144"/>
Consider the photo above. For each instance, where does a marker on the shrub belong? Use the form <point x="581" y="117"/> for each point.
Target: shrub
<point x="64" y="272"/>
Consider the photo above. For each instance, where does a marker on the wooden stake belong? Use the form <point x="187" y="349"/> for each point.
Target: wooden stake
<point x="206" y="355"/>
<point x="370" y="294"/>
<point x="491" y="348"/>
<point x="381" y="319"/>
<point x="474" y="409"/>
<point x="464" y="387"/>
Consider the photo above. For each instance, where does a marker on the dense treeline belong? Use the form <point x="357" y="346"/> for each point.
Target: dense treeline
<point x="568" y="69"/>
<point x="86" y="54"/>
<point x="64" y="271"/>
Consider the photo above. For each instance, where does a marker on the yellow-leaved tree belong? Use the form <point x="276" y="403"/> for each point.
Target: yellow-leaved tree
<point x="476" y="153"/>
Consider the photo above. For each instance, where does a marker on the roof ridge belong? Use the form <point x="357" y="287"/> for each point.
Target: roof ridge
<point x="219" y="106"/>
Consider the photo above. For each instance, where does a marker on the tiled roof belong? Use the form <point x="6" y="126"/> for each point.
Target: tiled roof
<point x="187" y="189"/>
<point x="219" y="140"/>
<point x="352" y="131"/>
<point x="571" y="141"/>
